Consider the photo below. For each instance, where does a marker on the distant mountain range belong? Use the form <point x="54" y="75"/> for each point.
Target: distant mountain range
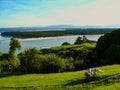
<point x="56" y="27"/>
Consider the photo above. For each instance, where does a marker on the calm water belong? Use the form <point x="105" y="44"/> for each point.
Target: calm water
<point x="43" y="43"/>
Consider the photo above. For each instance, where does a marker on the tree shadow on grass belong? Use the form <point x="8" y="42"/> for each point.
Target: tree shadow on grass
<point x="8" y="74"/>
<point x="96" y="79"/>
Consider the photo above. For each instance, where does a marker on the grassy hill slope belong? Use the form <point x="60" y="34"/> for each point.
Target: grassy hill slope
<point x="109" y="79"/>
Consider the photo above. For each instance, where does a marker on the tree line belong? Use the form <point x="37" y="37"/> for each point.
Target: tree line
<point x="31" y="34"/>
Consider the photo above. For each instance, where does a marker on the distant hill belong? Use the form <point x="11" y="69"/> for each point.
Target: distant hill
<point x="55" y="27"/>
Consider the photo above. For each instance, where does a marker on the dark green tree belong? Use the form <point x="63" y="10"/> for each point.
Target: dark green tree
<point x="85" y="38"/>
<point x="12" y="58"/>
<point x="108" y="47"/>
<point x="65" y="43"/>
<point x="27" y="59"/>
<point x="14" y="44"/>
<point x="79" y="40"/>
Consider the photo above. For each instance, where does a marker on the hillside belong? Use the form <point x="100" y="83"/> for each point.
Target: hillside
<point x="109" y="79"/>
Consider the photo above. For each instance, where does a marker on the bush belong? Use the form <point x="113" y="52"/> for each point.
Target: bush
<point x="27" y="59"/>
<point x="9" y="63"/>
<point x="4" y="65"/>
<point x="14" y="64"/>
<point x="1" y="66"/>
<point x="79" y="64"/>
<point x="1" y="53"/>
<point x="65" y="43"/>
<point x="69" y="64"/>
<point x="33" y="62"/>
<point x="52" y="64"/>
<point x="91" y="59"/>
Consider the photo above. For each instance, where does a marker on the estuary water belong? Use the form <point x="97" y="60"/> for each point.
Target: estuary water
<point x="41" y="42"/>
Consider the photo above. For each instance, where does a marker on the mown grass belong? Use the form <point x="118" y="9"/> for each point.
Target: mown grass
<point x="109" y="79"/>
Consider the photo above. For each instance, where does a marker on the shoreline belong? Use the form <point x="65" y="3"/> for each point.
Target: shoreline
<point x="43" y="38"/>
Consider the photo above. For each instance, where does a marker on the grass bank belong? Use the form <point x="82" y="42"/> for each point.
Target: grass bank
<point x="109" y="78"/>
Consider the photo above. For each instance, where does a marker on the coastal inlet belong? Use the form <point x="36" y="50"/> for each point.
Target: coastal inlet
<point x="42" y="42"/>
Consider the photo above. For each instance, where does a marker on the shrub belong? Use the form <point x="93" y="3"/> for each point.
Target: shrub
<point x="1" y="53"/>
<point x="69" y="64"/>
<point x="4" y="65"/>
<point x="65" y="43"/>
<point x="52" y="63"/>
<point x="33" y="62"/>
<point x="9" y="63"/>
<point x="79" y="64"/>
<point x="14" y="64"/>
<point x="27" y="59"/>
<point x="1" y="67"/>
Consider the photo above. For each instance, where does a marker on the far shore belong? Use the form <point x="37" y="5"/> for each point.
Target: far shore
<point x="42" y="38"/>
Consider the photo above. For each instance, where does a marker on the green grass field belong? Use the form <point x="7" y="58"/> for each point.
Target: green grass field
<point x="109" y="79"/>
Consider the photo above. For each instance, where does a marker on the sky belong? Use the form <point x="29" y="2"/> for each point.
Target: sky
<point x="23" y="13"/>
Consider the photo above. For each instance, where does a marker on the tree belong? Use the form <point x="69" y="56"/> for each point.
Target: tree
<point x="65" y="43"/>
<point x="14" y="44"/>
<point x="108" y="47"/>
<point x="85" y="38"/>
<point x="14" y="62"/>
<point x="79" y="40"/>
<point x="28" y="58"/>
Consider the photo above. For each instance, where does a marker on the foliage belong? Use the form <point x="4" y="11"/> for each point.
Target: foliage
<point x="80" y="64"/>
<point x="107" y="48"/>
<point x="91" y="59"/>
<point x="56" y="59"/>
<point x="10" y="62"/>
<point x="79" y="40"/>
<point x="12" y="58"/>
<point x="52" y="64"/>
<point x="27" y="58"/>
<point x="65" y="43"/>
<point x="82" y="54"/>
<point x="30" y="34"/>
<point x="65" y="50"/>
<point x="14" y="44"/>
<point x="1" y="53"/>
<point x="102" y="44"/>
<point x="112" y="54"/>
<point x="32" y="61"/>
<point x="83" y="39"/>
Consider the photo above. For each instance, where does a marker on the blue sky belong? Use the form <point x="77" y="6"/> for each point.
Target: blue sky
<point x="20" y="13"/>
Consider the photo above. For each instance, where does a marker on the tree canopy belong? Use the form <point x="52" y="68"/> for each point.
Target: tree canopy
<point x="108" y="47"/>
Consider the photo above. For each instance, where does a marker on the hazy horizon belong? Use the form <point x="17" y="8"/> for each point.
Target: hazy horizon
<point x="32" y="13"/>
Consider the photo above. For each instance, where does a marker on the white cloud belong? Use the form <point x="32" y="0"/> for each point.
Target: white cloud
<point x="101" y="12"/>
